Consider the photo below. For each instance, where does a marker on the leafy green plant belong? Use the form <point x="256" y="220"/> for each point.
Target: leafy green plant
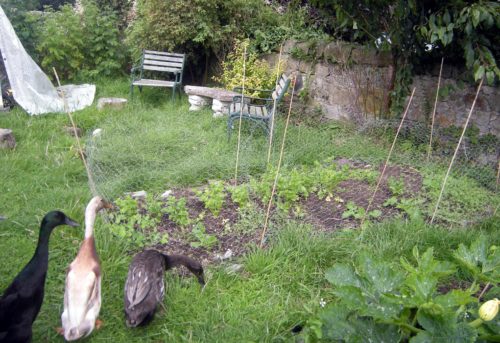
<point x="291" y="186"/>
<point x="177" y="211"/>
<point x="137" y="226"/>
<point x="326" y="178"/>
<point x="240" y="195"/>
<point x="203" y="239"/>
<point x="81" y="45"/>
<point x="258" y="74"/>
<point x="400" y="303"/>
<point x="397" y="188"/>
<point x="213" y="197"/>
<point x="103" y="50"/>
<point x="357" y="212"/>
<point x="62" y="42"/>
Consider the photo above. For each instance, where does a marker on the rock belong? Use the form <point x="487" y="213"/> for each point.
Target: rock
<point x="97" y="133"/>
<point x="234" y="268"/>
<point x="336" y="52"/>
<point x="166" y="194"/>
<point x="139" y="195"/>
<point x="7" y="139"/>
<point x="227" y="255"/>
<point x="220" y="108"/>
<point x="71" y="131"/>
<point x="115" y="103"/>
<point x="198" y="102"/>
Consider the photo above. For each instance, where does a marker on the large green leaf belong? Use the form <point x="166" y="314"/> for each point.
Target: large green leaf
<point x="342" y="275"/>
<point x="335" y="323"/>
<point x="441" y="326"/>
<point x="383" y="277"/>
<point x="340" y="325"/>
<point x="454" y="298"/>
<point x="482" y="262"/>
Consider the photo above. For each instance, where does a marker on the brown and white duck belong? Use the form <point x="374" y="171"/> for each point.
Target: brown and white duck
<point x="82" y="294"/>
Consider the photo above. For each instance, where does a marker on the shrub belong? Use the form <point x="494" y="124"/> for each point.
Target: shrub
<point x="257" y="73"/>
<point x="202" y="29"/>
<point x="85" y="45"/>
<point x="61" y="42"/>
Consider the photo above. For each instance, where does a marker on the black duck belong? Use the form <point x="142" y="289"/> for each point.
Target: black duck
<point x="21" y="301"/>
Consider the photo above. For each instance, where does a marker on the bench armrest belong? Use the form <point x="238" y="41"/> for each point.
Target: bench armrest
<point x="250" y="99"/>
<point x="239" y="89"/>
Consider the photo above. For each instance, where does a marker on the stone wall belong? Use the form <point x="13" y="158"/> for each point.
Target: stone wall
<point x="348" y="81"/>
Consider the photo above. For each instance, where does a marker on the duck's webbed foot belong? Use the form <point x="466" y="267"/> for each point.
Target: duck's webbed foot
<point x="60" y="331"/>
<point x="98" y="324"/>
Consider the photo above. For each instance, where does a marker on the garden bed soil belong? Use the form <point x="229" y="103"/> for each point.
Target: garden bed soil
<point x="324" y="214"/>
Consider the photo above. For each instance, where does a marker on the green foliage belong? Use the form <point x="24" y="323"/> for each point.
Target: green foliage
<point x="177" y="211"/>
<point x="240" y="195"/>
<point x="135" y="226"/>
<point x="326" y="178"/>
<point x="238" y="68"/>
<point x="25" y="22"/>
<point x="388" y="301"/>
<point x="200" y="28"/>
<point x="104" y="52"/>
<point x="213" y="197"/>
<point x="479" y="260"/>
<point x="62" y="42"/>
<point x="85" y="45"/>
<point x="397" y="188"/>
<point x="472" y="27"/>
<point x="357" y="212"/>
<point x="202" y="238"/>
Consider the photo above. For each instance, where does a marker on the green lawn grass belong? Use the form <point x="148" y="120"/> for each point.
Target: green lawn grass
<point x="155" y="145"/>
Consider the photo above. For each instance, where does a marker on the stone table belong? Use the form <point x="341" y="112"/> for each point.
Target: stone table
<point x="219" y="98"/>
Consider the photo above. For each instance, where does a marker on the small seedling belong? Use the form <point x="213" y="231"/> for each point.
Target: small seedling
<point x="358" y="212"/>
<point x="203" y="239"/>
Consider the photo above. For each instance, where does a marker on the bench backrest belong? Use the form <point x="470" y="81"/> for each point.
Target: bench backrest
<point x="164" y="62"/>
<point x="281" y="87"/>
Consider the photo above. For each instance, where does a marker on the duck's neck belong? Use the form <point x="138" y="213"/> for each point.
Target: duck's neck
<point x="42" y="248"/>
<point x="90" y="215"/>
<point x="177" y="260"/>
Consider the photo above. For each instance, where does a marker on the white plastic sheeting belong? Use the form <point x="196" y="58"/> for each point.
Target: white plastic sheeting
<point x="31" y="88"/>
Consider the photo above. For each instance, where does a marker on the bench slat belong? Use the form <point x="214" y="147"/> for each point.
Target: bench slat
<point x="163" y="58"/>
<point x="172" y="70"/>
<point x="153" y="83"/>
<point x="162" y="53"/>
<point x="163" y="64"/>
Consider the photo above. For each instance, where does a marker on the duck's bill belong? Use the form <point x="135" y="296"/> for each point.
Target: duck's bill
<point x="70" y="222"/>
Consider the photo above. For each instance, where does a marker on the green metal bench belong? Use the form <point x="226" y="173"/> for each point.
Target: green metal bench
<point x="158" y="69"/>
<point x="258" y="110"/>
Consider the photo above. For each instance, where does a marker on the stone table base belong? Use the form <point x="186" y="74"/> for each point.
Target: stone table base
<point x="200" y="97"/>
